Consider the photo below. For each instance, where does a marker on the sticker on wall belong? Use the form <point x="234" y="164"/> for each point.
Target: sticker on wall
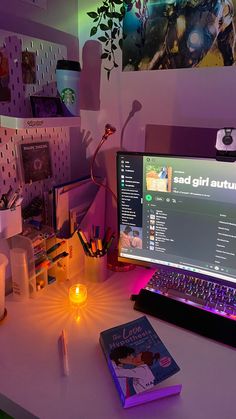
<point x="28" y="67"/>
<point x="178" y="34"/>
<point x="5" y="93"/>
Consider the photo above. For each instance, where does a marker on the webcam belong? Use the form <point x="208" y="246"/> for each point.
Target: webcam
<point x="226" y="139"/>
<point x="226" y="144"/>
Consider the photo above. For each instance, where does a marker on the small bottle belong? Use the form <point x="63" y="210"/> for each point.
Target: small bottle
<point x="20" y="274"/>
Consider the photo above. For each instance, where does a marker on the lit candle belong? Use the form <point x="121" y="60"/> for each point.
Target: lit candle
<point x="78" y="294"/>
<point x="3" y="264"/>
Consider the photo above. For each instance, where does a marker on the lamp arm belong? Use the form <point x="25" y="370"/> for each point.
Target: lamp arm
<point x="104" y="138"/>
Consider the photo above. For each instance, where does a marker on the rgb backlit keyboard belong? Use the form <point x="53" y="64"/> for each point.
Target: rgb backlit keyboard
<point x="192" y="290"/>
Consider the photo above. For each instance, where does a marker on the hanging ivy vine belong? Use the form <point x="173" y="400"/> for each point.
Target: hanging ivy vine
<point x="108" y="19"/>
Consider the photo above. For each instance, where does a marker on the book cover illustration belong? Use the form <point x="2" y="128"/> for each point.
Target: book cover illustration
<point x="36" y="161"/>
<point x="139" y="361"/>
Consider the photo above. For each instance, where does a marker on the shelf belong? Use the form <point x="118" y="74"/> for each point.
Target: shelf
<point x="28" y="123"/>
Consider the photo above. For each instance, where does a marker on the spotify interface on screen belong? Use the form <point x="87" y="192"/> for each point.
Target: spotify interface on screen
<point x="179" y="212"/>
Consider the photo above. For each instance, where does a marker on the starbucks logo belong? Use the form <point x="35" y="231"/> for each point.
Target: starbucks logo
<point x="68" y="96"/>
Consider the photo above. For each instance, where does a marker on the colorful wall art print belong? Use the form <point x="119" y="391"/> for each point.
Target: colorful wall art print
<point x="171" y="34"/>
<point x="28" y="67"/>
<point x="5" y="92"/>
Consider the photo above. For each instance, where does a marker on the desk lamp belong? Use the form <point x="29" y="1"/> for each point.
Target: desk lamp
<point x="109" y="130"/>
<point x="113" y="263"/>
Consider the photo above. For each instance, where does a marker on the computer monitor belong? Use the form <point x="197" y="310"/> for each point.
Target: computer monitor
<point x="178" y="212"/>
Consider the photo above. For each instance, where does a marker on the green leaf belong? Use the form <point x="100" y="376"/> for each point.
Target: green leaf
<point x="104" y="27"/>
<point x="113" y="47"/>
<point x="104" y="56"/>
<point x="120" y="43"/>
<point x="93" y="31"/>
<point x="93" y="15"/>
<point x="102" y="9"/>
<point x="116" y="15"/>
<point x="102" y="38"/>
<point x="114" y="32"/>
<point x="118" y="1"/>
<point x="110" y="23"/>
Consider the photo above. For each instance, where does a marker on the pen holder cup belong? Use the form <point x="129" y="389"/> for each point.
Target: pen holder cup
<point x="95" y="268"/>
<point x="10" y="222"/>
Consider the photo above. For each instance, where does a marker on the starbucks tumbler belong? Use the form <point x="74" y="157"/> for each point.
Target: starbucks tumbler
<point x="67" y="78"/>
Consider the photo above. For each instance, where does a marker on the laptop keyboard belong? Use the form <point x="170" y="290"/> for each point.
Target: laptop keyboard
<point x="190" y="289"/>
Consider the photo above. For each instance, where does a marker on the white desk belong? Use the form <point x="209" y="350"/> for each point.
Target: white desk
<point x="30" y="373"/>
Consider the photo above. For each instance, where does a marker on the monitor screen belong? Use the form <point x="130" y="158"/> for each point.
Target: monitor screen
<point x="178" y="212"/>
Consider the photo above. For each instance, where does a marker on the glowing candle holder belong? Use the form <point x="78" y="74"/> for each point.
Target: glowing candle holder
<point x="78" y="294"/>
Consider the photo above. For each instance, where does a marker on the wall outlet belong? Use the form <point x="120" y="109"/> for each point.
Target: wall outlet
<point x="39" y="3"/>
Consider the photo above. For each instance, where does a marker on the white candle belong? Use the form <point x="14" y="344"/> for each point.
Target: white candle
<point x="3" y="264"/>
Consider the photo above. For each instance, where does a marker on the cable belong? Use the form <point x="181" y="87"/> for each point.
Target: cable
<point x="109" y="130"/>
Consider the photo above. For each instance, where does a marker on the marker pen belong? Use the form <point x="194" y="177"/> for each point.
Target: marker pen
<point x="51" y="249"/>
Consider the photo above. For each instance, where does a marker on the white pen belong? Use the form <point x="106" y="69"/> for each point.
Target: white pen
<point x="64" y="353"/>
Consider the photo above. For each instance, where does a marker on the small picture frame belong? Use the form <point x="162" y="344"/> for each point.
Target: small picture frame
<point x="35" y="161"/>
<point x="46" y="106"/>
<point x="28" y="66"/>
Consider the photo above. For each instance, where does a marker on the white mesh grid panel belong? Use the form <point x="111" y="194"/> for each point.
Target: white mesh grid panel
<point x="47" y="55"/>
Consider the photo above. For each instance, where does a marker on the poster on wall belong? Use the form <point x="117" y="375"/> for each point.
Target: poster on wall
<point x="28" y="66"/>
<point x="172" y="34"/>
<point x="5" y="92"/>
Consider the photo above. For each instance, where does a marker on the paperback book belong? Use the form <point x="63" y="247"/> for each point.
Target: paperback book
<point x="140" y="364"/>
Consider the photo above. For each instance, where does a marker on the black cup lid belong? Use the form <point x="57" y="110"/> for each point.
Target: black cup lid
<point x="68" y="65"/>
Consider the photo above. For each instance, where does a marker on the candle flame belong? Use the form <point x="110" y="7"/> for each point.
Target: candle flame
<point x="77" y="290"/>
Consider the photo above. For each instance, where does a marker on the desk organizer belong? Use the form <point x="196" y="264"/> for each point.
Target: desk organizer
<point x="10" y="222"/>
<point x="42" y="271"/>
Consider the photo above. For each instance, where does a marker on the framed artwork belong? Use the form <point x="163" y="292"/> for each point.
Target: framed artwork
<point x="170" y="34"/>
<point x="35" y="161"/>
<point x="46" y="107"/>
<point x="28" y="66"/>
<point x="5" y="92"/>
